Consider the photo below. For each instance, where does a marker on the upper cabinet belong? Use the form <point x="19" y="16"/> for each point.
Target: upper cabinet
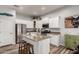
<point x="45" y="20"/>
<point x="29" y="24"/>
<point x="39" y="24"/>
<point x="54" y="22"/>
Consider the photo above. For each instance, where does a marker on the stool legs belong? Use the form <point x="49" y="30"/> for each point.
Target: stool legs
<point x="25" y="48"/>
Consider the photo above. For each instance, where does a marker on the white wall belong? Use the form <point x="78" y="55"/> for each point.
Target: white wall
<point x="22" y="19"/>
<point x="7" y="27"/>
<point x="62" y="13"/>
<point x="18" y="16"/>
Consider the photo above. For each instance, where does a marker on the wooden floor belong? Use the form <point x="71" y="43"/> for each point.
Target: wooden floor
<point x="13" y="49"/>
<point x="59" y="50"/>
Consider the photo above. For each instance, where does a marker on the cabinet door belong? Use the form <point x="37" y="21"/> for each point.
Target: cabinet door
<point x="39" y="24"/>
<point x="45" y="20"/>
<point x="54" y="22"/>
<point x="29" y="24"/>
<point x="44" y="46"/>
<point x="55" y="40"/>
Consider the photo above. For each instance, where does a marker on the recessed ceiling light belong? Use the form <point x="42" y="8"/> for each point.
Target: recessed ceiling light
<point x="43" y="8"/>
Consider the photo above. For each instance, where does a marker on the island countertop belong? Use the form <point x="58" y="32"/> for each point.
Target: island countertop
<point x="41" y="43"/>
<point x="36" y="37"/>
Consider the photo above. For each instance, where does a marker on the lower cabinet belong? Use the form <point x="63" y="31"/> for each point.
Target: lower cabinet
<point x="40" y="47"/>
<point x="54" y="40"/>
<point x="44" y="46"/>
<point x="71" y="41"/>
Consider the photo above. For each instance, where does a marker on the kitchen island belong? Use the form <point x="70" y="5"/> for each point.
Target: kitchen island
<point x="41" y="43"/>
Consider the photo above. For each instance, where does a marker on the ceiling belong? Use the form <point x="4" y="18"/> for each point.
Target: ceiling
<point x="33" y="10"/>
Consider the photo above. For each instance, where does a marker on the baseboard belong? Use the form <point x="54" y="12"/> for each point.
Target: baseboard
<point x="5" y="45"/>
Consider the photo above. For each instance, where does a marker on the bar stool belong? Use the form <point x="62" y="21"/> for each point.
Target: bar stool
<point x="25" y="48"/>
<point x="30" y="48"/>
<point x="22" y="47"/>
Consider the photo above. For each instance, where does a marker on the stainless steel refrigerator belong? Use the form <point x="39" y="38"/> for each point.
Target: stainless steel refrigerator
<point x="19" y="30"/>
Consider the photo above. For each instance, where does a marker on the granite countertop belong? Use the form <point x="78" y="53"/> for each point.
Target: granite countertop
<point x="36" y="37"/>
